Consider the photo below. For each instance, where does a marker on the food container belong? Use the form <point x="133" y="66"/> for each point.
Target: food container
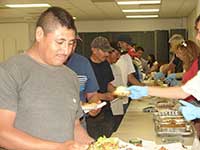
<point x="165" y="105"/>
<point x="168" y="114"/>
<point x="171" y="123"/>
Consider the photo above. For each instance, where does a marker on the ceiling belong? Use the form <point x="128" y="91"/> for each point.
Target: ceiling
<point x="93" y="9"/>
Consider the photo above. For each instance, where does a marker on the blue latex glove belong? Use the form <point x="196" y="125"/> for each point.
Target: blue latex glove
<point x="137" y="91"/>
<point x="173" y="82"/>
<point x="189" y="111"/>
<point x="158" y="75"/>
<point x="170" y="77"/>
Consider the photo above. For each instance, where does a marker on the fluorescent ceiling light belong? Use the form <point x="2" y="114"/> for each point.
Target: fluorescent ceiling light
<point x="142" y="16"/>
<point x="27" y="5"/>
<point x="140" y="10"/>
<point x="138" y="2"/>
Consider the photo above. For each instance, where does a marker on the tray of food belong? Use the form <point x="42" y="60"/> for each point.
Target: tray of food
<point x="171" y="122"/>
<point x="169" y="114"/>
<point x="173" y="127"/>
<point x="173" y="130"/>
<point x="164" y="105"/>
<point x="114" y="143"/>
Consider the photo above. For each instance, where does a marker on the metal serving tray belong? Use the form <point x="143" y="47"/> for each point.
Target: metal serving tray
<point x="185" y="131"/>
<point x="171" y="123"/>
<point x="170" y="114"/>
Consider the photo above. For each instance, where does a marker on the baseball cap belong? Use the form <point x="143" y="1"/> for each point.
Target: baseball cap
<point x="101" y="43"/>
<point x="115" y="46"/>
<point x="125" y="38"/>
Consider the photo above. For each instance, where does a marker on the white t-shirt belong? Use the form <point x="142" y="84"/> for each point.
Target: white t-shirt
<point x="126" y="66"/>
<point x="117" y="75"/>
<point x="117" y="104"/>
<point x="193" y="86"/>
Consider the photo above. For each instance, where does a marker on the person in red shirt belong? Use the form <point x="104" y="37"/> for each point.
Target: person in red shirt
<point x="127" y="43"/>
<point x="189" y="53"/>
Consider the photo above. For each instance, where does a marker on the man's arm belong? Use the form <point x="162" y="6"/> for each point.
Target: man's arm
<point x="80" y="135"/>
<point x="133" y="80"/>
<point x="12" y="138"/>
<point x="93" y="98"/>
<point x="170" y="92"/>
<point x="170" y="66"/>
<point x="111" y="87"/>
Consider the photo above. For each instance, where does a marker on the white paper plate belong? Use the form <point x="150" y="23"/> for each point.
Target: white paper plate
<point x="87" y="109"/>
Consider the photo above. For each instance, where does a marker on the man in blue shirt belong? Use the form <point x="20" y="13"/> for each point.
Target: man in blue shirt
<point x="88" y="83"/>
<point x="86" y="76"/>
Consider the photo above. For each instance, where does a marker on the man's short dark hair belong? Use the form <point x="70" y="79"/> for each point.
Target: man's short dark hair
<point x="139" y="48"/>
<point x="54" y="16"/>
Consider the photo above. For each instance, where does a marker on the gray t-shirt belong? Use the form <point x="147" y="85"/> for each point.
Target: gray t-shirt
<point x="45" y="98"/>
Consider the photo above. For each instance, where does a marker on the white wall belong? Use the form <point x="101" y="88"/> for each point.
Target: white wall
<point x="131" y="25"/>
<point x="14" y="38"/>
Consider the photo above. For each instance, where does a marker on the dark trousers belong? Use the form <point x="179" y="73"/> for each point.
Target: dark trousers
<point x="118" y="119"/>
<point x="101" y="125"/>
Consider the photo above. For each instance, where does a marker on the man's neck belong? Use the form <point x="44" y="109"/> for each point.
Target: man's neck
<point x="94" y="59"/>
<point x="34" y="54"/>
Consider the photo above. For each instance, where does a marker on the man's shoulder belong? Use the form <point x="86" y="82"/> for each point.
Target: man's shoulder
<point x="80" y="57"/>
<point x="78" y="62"/>
<point x="17" y="60"/>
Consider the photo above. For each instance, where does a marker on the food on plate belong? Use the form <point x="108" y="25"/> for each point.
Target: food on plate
<point x="136" y="142"/>
<point x="89" y="105"/>
<point x="173" y="125"/>
<point x="165" y="105"/>
<point x="162" y="148"/>
<point x="104" y="143"/>
<point x="121" y="91"/>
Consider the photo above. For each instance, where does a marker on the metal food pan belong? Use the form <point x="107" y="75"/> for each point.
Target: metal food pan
<point x="185" y="131"/>
<point x="171" y="120"/>
<point x="168" y="113"/>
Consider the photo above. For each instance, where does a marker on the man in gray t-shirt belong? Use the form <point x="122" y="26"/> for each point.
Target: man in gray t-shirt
<point x="39" y="96"/>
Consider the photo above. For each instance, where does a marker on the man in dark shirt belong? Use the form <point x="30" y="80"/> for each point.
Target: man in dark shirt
<point x="103" y="123"/>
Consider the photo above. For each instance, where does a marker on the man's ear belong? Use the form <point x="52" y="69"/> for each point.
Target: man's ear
<point x="39" y="34"/>
<point x="94" y="50"/>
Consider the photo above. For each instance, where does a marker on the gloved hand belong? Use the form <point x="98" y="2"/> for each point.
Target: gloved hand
<point x="158" y="75"/>
<point x="170" y="77"/>
<point x="171" y="81"/>
<point x="138" y="91"/>
<point x="174" y="83"/>
<point x="189" y="111"/>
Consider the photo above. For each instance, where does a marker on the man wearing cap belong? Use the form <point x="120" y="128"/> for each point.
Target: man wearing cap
<point x="127" y="43"/>
<point x="103" y="123"/>
<point x="125" y="62"/>
<point x="126" y="65"/>
<point x="88" y="83"/>
<point x="117" y="104"/>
